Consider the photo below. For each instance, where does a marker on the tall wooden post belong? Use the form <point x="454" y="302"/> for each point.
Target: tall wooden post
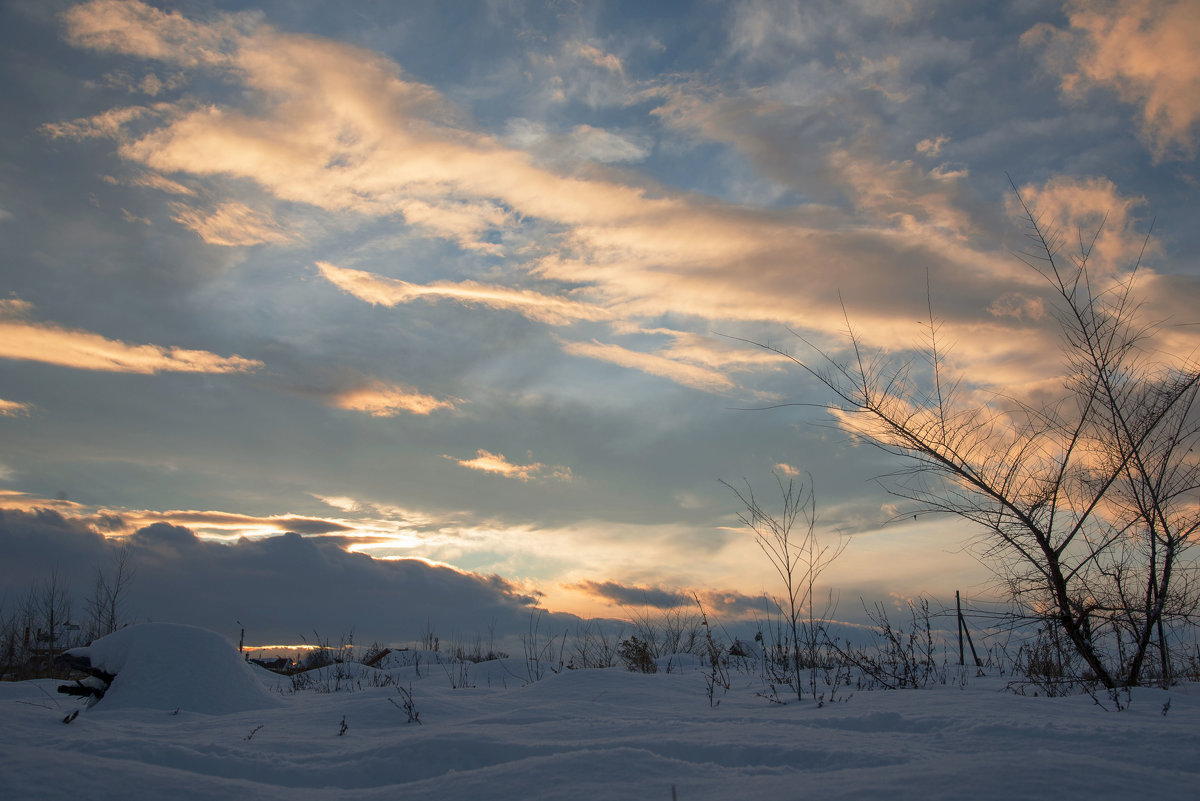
<point x="958" y="606"/>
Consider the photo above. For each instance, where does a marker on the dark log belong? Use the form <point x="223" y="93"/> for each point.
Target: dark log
<point x="84" y="665"/>
<point x="82" y="690"/>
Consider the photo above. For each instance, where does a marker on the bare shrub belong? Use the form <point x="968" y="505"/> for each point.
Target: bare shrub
<point x="636" y="655"/>
<point x="718" y="673"/>
<point x="406" y="704"/>
<point x="902" y="656"/>
<point x="594" y="646"/>
<point x="788" y="537"/>
<point x="542" y="652"/>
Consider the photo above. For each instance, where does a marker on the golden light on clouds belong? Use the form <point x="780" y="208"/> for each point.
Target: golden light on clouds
<point x="14" y="408"/>
<point x="1079" y="210"/>
<point x="125" y="27"/>
<point x="230" y="224"/>
<point x="1146" y="50"/>
<point x="684" y="373"/>
<point x="380" y="399"/>
<point x="497" y="463"/>
<point x="383" y="291"/>
<point x="346" y="131"/>
<point x="84" y="350"/>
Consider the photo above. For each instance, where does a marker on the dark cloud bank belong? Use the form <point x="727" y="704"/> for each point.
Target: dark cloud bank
<point x="279" y="587"/>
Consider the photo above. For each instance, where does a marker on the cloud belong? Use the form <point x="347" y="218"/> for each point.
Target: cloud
<point x="598" y="57"/>
<point x="903" y="193"/>
<point x="688" y="375"/>
<point x="726" y="605"/>
<point x="278" y="587"/>
<point x="933" y="146"/>
<point x="230" y="224"/>
<point x="135" y="28"/>
<point x="14" y="408"/>
<point x="107" y="125"/>
<point x="730" y="604"/>
<point x="241" y="525"/>
<point x="366" y="525"/>
<point x="383" y="291"/>
<point x="83" y="350"/>
<point x="341" y="129"/>
<point x="597" y="144"/>
<point x="153" y="180"/>
<point x="1148" y="51"/>
<point x="623" y="595"/>
<point x="380" y="399"/>
<point x="1076" y="210"/>
<point x="488" y="462"/>
<point x="463" y="222"/>
<point x="581" y="143"/>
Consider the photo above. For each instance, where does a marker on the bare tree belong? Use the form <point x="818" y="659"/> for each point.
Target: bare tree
<point x="108" y="594"/>
<point x="1088" y="503"/>
<point x="12" y="653"/>
<point x="798" y="556"/>
<point x="47" y="611"/>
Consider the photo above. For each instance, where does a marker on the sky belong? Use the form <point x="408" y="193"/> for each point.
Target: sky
<point x="382" y="314"/>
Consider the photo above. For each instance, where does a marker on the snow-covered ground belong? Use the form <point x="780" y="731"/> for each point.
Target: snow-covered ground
<point x="486" y="732"/>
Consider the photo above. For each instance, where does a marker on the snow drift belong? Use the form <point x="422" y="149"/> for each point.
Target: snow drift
<point x="171" y="666"/>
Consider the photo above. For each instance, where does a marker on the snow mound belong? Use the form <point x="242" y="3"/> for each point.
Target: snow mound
<point x="170" y="666"/>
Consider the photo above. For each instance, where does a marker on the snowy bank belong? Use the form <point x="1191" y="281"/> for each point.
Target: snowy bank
<point x="170" y="666"/>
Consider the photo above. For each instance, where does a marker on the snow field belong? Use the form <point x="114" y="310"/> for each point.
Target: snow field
<point x="593" y="734"/>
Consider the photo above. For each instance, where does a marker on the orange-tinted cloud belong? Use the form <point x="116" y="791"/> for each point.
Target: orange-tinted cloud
<point x="383" y="291"/>
<point x="83" y="350"/>
<point x="497" y="463"/>
<point x="107" y="124"/>
<point x="1079" y="209"/>
<point x="343" y="129"/>
<point x="688" y="375"/>
<point x="598" y="57"/>
<point x="1148" y="51"/>
<point x="14" y="408"/>
<point x="139" y="29"/>
<point x="380" y="399"/>
<point x="231" y="223"/>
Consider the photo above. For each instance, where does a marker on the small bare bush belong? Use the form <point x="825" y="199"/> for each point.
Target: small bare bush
<point x="636" y="655"/>
<point x="902" y="657"/>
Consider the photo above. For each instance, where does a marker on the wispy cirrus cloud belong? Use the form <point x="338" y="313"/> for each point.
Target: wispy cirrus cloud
<point x="44" y="342"/>
<point x="385" y="291"/>
<point x="231" y="224"/>
<point x="684" y="373"/>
